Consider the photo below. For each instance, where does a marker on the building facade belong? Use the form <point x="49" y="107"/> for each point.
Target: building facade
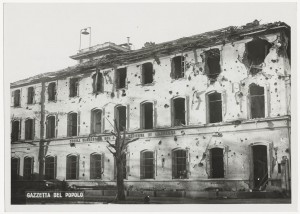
<point x="209" y="111"/>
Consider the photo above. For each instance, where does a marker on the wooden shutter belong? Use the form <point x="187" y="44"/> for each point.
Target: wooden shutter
<point x="187" y="110"/>
<point x="208" y="163"/>
<point x="142" y="165"/>
<point x="55" y="167"/>
<point x="20" y="129"/>
<point x="182" y="65"/>
<point x="268" y="99"/>
<point x="155" y="164"/>
<point x="103" y="120"/>
<point x="127" y="164"/>
<point x="154" y="114"/>
<point x="127" y="117"/>
<point x="12" y="100"/>
<point x="77" y="167"/>
<point x="188" y="160"/>
<point x="33" y="128"/>
<point x="92" y="122"/>
<point x="174" y="165"/>
<point x="78" y="123"/>
<point x="172" y="69"/>
<point x="94" y="81"/>
<point x="55" y="90"/>
<point x="56" y="125"/>
<point x="224" y="104"/>
<point x="102" y="165"/>
<point x="270" y="166"/>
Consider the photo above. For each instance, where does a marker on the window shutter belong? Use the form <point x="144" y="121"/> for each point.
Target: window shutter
<point x="33" y="129"/>
<point x="68" y="125"/>
<point x="102" y="164"/>
<point x="271" y="159"/>
<point x="103" y="120"/>
<point x="174" y="166"/>
<point x="155" y="164"/>
<point x="56" y="125"/>
<point x="127" y="164"/>
<point x="78" y="122"/>
<point x="55" y="166"/>
<point x="67" y="167"/>
<point x="182" y="65"/>
<point x="224" y="104"/>
<point x="128" y="117"/>
<point x="20" y="129"/>
<point x="77" y="167"/>
<point x="208" y="163"/>
<point x="155" y="114"/>
<point x="12" y="100"/>
<point x="268" y="98"/>
<point x="188" y="160"/>
<point x="55" y="90"/>
<point x="94" y="77"/>
<point x="172" y="69"/>
<point x="187" y="109"/>
<point x="141" y="165"/>
<point x="92" y="122"/>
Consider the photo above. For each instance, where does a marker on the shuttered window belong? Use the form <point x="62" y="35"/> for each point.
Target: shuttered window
<point x="29" y="129"/>
<point x="72" y="167"/>
<point x="50" y="127"/>
<point x="72" y="124"/>
<point x="16" y="130"/>
<point x="98" y="83"/>
<point x="52" y="91"/>
<point x="28" y="168"/>
<point x="96" y="121"/>
<point x="177" y="67"/>
<point x="180" y="164"/>
<point x="50" y="168"/>
<point x="30" y="95"/>
<point x="74" y="82"/>
<point x="147" y="165"/>
<point x="17" y="97"/>
<point x="147" y="73"/>
<point x="96" y="166"/>
<point x="121" y="117"/>
<point x="121" y="76"/>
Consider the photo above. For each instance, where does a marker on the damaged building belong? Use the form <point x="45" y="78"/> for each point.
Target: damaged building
<point x="210" y="111"/>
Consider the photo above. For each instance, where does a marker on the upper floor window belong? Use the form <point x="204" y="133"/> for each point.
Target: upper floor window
<point x="257" y="101"/>
<point x="28" y="168"/>
<point x="15" y="168"/>
<point x="17" y="98"/>
<point x="16" y="130"/>
<point x="147" y="115"/>
<point x="72" y="124"/>
<point x="96" y="123"/>
<point x="74" y="82"/>
<point x="178" y="112"/>
<point x="29" y="129"/>
<point x="180" y="163"/>
<point x="215" y="107"/>
<point x="147" y="165"/>
<point x="147" y="73"/>
<point x="50" y="127"/>
<point x="52" y="91"/>
<point x="216" y="163"/>
<point x="96" y="166"/>
<point x="213" y="68"/>
<point x="121" y="75"/>
<point x="177" y="67"/>
<point x="121" y="117"/>
<point x="72" y="168"/>
<point x="98" y="82"/>
<point x="30" y="95"/>
<point x="50" y="168"/>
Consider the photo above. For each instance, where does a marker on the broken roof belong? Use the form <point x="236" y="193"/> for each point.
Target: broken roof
<point x="204" y="40"/>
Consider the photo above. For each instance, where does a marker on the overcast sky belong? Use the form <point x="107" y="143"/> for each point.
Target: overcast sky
<point x="39" y="38"/>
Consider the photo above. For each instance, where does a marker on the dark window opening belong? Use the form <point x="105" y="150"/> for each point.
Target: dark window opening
<point x="72" y="167"/>
<point x="279" y="168"/>
<point x="15" y="134"/>
<point x="124" y="166"/>
<point x="72" y="124"/>
<point x="29" y="129"/>
<point x="28" y="168"/>
<point x="74" y="87"/>
<point x="179" y="112"/>
<point x="257" y="50"/>
<point x="147" y="165"/>
<point x="121" y="76"/>
<point x="96" y="121"/>
<point x="95" y="166"/>
<point x="121" y="117"/>
<point x="52" y="91"/>
<point x="213" y="67"/>
<point x="257" y="101"/>
<point x="17" y="94"/>
<point x="177" y="67"/>
<point x="98" y="82"/>
<point x="260" y="166"/>
<point x="215" y="107"/>
<point x="50" y="168"/>
<point x="15" y="169"/>
<point x="147" y="115"/>
<point x="50" y="128"/>
<point x="179" y="164"/>
<point x="217" y="163"/>
<point x="30" y="95"/>
<point x="147" y="73"/>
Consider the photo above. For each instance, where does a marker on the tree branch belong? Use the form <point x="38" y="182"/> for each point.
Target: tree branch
<point x="130" y="141"/>
<point x="111" y="145"/>
<point x="114" y="154"/>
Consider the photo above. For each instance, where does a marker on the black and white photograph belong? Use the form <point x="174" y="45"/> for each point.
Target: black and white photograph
<point x="139" y="105"/>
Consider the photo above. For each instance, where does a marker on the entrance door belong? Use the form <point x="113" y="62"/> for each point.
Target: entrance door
<point x="260" y="166"/>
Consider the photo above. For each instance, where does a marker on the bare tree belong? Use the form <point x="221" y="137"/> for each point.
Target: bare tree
<point x="118" y="149"/>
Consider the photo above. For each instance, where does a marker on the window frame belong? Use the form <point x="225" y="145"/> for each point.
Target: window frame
<point x="54" y="167"/>
<point x="126" y="118"/>
<point x="74" y="92"/>
<point x="30" y="94"/>
<point x="70" y="169"/>
<point x="15" y="103"/>
<point x="92" y="169"/>
<point x="17" y="174"/>
<point x="31" y="169"/>
<point x="19" y="130"/>
<point x="187" y="163"/>
<point x="96" y="80"/>
<point x="31" y="135"/>
<point x="186" y="115"/>
<point x="266" y="101"/>
<point x="71" y="124"/>
<point x="54" y="88"/>
<point x="54" y="126"/>
<point x="173" y="67"/>
<point x="142" y="114"/>
<point x="93" y="111"/>
<point x="117" y="78"/>
<point x="223" y="107"/>
<point x="143" y="73"/>
<point x="142" y="164"/>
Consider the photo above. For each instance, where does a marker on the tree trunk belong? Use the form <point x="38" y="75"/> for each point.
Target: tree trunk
<point x="120" y="181"/>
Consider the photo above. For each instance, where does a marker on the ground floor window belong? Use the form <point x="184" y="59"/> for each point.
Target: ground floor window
<point x="15" y="169"/>
<point x="216" y="163"/>
<point x="179" y="164"/>
<point x="72" y="167"/>
<point x="28" y="168"/>
<point x="96" y="166"/>
<point x="147" y="165"/>
<point x="50" y="168"/>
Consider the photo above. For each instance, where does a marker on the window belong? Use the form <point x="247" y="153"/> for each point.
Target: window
<point x="29" y="129"/>
<point x="15" y="169"/>
<point x="178" y="112"/>
<point x="28" y="168"/>
<point x="215" y="107"/>
<point x="147" y="165"/>
<point x="52" y="91"/>
<point x="257" y="101"/>
<point x="217" y="163"/>
<point x="30" y="95"/>
<point x="72" y="167"/>
<point x="121" y="75"/>
<point x="96" y="121"/>
<point x="147" y="73"/>
<point x="121" y="117"/>
<point x="213" y="68"/>
<point x="179" y="164"/>
<point x="147" y="115"/>
<point x="72" y="124"/>
<point x="74" y="87"/>
<point x="177" y="67"/>
<point x="17" y="96"/>
<point x="50" y="168"/>
<point x="16" y="130"/>
<point x="256" y="51"/>
<point x="98" y="82"/>
<point x="96" y="166"/>
<point x="50" y="127"/>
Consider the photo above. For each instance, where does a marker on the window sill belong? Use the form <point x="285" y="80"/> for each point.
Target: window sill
<point x="179" y="79"/>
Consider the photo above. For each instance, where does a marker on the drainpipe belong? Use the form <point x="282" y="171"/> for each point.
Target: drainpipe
<point x="42" y="135"/>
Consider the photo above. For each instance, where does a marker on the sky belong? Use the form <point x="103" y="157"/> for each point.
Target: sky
<point x="39" y="38"/>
